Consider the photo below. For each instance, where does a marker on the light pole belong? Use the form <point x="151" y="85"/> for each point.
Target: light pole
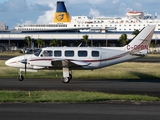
<point x="9" y="43"/>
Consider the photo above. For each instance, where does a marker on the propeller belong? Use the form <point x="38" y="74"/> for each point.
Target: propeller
<point x="24" y="61"/>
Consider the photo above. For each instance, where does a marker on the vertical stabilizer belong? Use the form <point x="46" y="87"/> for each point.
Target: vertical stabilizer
<point x="142" y="40"/>
<point x="61" y="14"/>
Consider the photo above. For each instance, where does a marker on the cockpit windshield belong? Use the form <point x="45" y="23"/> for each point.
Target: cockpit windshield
<point x="38" y="52"/>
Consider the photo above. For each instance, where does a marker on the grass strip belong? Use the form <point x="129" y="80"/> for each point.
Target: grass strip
<point x="127" y="70"/>
<point x="67" y="96"/>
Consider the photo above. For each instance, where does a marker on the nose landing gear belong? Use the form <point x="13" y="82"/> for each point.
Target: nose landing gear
<point x="20" y="76"/>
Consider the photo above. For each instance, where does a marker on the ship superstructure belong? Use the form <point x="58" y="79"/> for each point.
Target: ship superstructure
<point x="63" y="22"/>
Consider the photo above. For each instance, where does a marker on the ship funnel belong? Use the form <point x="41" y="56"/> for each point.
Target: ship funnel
<point x="61" y="14"/>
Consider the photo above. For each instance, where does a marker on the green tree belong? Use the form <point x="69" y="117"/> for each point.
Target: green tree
<point x="136" y="32"/>
<point x="55" y="42"/>
<point x="28" y="40"/>
<point x="152" y="44"/>
<point x="123" y="39"/>
<point x="85" y="39"/>
<point x="40" y="42"/>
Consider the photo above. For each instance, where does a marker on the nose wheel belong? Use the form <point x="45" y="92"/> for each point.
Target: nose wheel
<point x="20" y="76"/>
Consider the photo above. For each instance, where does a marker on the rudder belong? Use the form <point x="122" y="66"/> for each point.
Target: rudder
<point x="142" y="40"/>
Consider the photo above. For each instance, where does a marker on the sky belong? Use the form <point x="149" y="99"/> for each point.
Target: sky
<point x="14" y="12"/>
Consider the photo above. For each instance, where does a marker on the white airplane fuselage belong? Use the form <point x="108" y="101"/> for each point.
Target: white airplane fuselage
<point x="80" y="58"/>
<point x="70" y="58"/>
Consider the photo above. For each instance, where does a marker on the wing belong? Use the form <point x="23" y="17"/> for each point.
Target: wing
<point x="81" y="63"/>
<point x="74" y="64"/>
<point x="42" y="63"/>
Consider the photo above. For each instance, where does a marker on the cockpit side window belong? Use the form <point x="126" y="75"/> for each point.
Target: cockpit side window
<point x="38" y="52"/>
<point x="47" y="53"/>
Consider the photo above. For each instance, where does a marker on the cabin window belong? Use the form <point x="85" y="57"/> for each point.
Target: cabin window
<point x="47" y="53"/>
<point x="95" y="53"/>
<point x="69" y="53"/>
<point x="82" y="53"/>
<point x="57" y="53"/>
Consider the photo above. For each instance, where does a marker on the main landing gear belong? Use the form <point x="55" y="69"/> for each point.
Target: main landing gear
<point x="67" y="74"/>
<point x="67" y="79"/>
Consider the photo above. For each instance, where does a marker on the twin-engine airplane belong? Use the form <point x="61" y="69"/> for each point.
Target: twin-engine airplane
<point x="70" y="58"/>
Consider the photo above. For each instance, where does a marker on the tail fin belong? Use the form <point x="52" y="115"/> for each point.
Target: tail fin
<point x="61" y="14"/>
<point x="142" y="40"/>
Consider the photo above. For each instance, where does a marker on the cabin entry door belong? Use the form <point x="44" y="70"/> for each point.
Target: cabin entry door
<point x="103" y="59"/>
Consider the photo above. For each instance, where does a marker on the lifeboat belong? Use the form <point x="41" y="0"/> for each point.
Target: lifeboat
<point x="135" y="14"/>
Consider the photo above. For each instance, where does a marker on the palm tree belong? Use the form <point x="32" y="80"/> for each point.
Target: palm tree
<point x="28" y="40"/>
<point x="40" y="42"/>
<point x="85" y="39"/>
<point x="55" y="42"/>
<point x="123" y="39"/>
<point x="135" y="32"/>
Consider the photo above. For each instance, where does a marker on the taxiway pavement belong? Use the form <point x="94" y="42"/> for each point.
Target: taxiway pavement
<point x="129" y="86"/>
<point x="112" y="110"/>
<point x="80" y="111"/>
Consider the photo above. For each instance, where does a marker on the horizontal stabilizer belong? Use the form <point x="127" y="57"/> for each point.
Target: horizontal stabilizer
<point x="140" y="53"/>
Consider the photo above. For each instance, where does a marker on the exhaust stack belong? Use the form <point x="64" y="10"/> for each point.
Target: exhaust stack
<point x="61" y="14"/>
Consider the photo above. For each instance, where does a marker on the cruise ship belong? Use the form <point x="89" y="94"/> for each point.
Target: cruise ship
<point x="63" y="22"/>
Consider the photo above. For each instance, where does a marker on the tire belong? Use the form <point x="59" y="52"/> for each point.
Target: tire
<point x="70" y="76"/>
<point x="65" y="79"/>
<point x="20" y="78"/>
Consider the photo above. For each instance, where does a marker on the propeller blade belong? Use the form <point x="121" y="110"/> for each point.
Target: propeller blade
<point x="25" y="67"/>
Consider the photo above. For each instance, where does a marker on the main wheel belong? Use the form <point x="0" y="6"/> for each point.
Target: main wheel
<point x="70" y="76"/>
<point x="20" y="78"/>
<point x="65" y="79"/>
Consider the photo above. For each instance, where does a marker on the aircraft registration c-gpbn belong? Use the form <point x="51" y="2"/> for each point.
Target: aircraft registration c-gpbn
<point x="71" y="58"/>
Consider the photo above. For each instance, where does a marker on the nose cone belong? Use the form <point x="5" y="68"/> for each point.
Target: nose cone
<point x="19" y="61"/>
<point x="15" y="62"/>
<point x="7" y="62"/>
<point x="11" y="62"/>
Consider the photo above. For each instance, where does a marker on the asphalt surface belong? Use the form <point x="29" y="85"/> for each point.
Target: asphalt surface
<point x="113" y="110"/>
<point x="137" y="86"/>
<point x="80" y="111"/>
